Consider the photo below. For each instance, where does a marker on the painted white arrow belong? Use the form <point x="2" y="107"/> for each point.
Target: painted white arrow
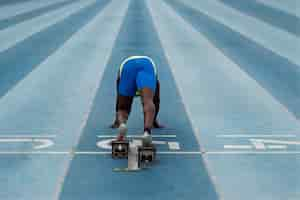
<point x="106" y="144"/>
<point x="42" y="143"/>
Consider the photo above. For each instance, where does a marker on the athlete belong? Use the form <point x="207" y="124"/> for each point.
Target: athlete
<point x="137" y="76"/>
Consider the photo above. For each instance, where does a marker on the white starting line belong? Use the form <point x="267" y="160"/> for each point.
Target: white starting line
<point x="137" y="136"/>
<point x="257" y="144"/>
<point x="159" y="152"/>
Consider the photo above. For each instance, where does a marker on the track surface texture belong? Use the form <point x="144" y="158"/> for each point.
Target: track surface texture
<point x="230" y="98"/>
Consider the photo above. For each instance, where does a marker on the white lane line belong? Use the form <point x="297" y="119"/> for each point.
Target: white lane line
<point x="277" y="147"/>
<point x="252" y="152"/>
<point x="15" y="34"/>
<point x="27" y="136"/>
<point x="20" y="8"/>
<point x="279" y="41"/>
<point x="137" y="136"/>
<point x="291" y="6"/>
<point x="159" y="152"/>
<point x="237" y="147"/>
<point x="255" y="136"/>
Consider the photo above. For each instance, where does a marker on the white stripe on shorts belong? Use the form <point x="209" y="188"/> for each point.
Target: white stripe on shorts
<point x="135" y="57"/>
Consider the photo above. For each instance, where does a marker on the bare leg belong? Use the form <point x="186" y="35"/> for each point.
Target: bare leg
<point x="148" y="107"/>
<point x="122" y="116"/>
<point x="124" y="107"/>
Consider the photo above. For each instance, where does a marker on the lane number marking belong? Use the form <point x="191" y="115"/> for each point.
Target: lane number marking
<point x="105" y="143"/>
<point x="38" y="143"/>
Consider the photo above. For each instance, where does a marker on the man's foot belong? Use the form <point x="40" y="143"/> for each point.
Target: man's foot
<point x="122" y="132"/>
<point x="120" y="138"/>
<point x="115" y="124"/>
<point x="147" y="139"/>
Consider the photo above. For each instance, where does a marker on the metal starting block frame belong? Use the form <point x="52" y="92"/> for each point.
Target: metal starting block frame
<point x="120" y="149"/>
<point x="139" y="157"/>
<point x="146" y="155"/>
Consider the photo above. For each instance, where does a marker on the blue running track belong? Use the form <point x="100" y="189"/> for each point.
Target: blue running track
<point x="230" y="98"/>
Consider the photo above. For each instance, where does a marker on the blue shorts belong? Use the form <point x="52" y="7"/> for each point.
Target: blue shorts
<point x="136" y="73"/>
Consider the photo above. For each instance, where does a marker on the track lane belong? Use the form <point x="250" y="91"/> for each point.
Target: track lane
<point x="229" y="101"/>
<point x="39" y="105"/>
<point x="176" y="176"/>
<point x="18" y="18"/>
<point x="277" y="75"/>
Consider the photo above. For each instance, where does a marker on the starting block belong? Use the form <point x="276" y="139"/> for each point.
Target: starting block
<point x="120" y="149"/>
<point x="146" y="155"/>
<point x="139" y="157"/>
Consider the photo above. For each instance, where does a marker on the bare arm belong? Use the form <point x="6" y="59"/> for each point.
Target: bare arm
<point x="123" y="105"/>
<point x="156" y="101"/>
